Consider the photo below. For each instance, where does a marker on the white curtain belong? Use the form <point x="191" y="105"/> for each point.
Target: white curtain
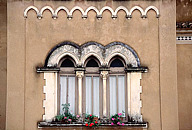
<point x="88" y="95"/>
<point x="71" y="93"/>
<point x="121" y="94"/>
<point x="63" y="91"/>
<point x="113" y="99"/>
<point x="96" y="96"/>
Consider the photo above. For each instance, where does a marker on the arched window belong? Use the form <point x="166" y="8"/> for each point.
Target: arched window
<point x="92" y="86"/>
<point x="98" y="85"/>
<point x="67" y="85"/>
<point x="117" y="86"/>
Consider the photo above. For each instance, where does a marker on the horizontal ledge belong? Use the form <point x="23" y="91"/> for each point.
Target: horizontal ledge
<point x="55" y="125"/>
<point x="56" y="69"/>
<point x="47" y="69"/>
<point x="137" y="69"/>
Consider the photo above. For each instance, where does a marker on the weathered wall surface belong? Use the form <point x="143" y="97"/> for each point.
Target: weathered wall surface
<point x="30" y="40"/>
<point x="3" y="62"/>
<point x="184" y="79"/>
<point x="168" y="67"/>
<point x="184" y="10"/>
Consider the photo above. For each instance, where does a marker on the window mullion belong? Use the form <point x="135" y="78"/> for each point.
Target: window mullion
<point x="67" y="89"/>
<point x="92" y="94"/>
<point x="117" y="96"/>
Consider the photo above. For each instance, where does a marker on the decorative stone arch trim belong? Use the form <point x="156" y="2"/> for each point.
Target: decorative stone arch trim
<point x="126" y="52"/>
<point x="98" y="13"/>
<point x="102" y="53"/>
<point x="85" y="57"/>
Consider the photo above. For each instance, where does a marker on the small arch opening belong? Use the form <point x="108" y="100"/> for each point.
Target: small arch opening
<point x="117" y="62"/>
<point x="92" y="62"/>
<point x="67" y="61"/>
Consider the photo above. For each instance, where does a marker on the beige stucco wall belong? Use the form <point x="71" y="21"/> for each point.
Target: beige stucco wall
<point x="3" y="62"/>
<point x="184" y="78"/>
<point x="30" y="40"/>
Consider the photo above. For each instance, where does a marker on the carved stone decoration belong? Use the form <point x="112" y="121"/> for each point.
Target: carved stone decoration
<point x="184" y="25"/>
<point x="184" y="38"/>
<point x="62" y="51"/>
<point x="102" y="53"/>
<point x="98" y="13"/>
<point x="80" y="74"/>
<point x="92" y="49"/>
<point x="123" y="51"/>
<point x="104" y="74"/>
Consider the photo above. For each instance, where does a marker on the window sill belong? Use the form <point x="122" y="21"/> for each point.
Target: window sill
<point x="60" y="125"/>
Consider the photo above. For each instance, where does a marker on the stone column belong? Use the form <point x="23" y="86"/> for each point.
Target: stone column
<point x="80" y="75"/>
<point x="104" y="75"/>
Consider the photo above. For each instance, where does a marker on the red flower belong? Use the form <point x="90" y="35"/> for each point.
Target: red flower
<point x="86" y="124"/>
<point x="92" y="123"/>
<point x="95" y="122"/>
<point x="90" y="115"/>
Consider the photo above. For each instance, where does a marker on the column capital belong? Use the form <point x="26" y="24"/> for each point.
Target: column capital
<point x="79" y="74"/>
<point x="104" y="74"/>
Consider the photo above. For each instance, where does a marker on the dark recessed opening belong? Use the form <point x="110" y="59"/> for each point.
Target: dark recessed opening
<point x="67" y="63"/>
<point x="117" y="63"/>
<point x="92" y="63"/>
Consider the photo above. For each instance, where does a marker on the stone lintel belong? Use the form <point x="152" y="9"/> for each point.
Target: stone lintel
<point x="137" y="69"/>
<point x="47" y="69"/>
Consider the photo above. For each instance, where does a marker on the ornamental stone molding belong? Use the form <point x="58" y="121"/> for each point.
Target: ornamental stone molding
<point x="184" y="25"/>
<point x="114" y="13"/>
<point x="102" y="53"/>
<point x="184" y="40"/>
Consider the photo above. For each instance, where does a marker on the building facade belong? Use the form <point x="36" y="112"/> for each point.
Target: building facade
<point x="102" y="57"/>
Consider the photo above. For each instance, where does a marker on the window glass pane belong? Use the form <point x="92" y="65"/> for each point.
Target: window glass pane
<point x="71" y="94"/>
<point x="116" y="63"/>
<point x="88" y="95"/>
<point x="63" y="91"/>
<point x="121" y="94"/>
<point x="113" y="99"/>
<point x="96" y="96"/>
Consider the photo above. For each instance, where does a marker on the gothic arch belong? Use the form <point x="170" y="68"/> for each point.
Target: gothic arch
<point x="102" y="53"/>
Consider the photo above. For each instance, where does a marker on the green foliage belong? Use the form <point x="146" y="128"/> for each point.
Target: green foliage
<point x="66" y="116"/>
<point x="92" y="120"/>
<point x="117" y="118"/>
<point x="59" y="117"/>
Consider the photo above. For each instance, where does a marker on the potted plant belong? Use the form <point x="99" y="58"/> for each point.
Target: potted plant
<point x="66" y="117"/>
<point x="91" y="120"/>
<point x="117" y="119"/>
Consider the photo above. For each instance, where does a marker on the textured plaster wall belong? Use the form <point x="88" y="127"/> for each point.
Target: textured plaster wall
<point x="168" y="66"/>
<point x="184" y="79"/>
<point x="3" y="62"/>
<point x="30" y="40"/>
